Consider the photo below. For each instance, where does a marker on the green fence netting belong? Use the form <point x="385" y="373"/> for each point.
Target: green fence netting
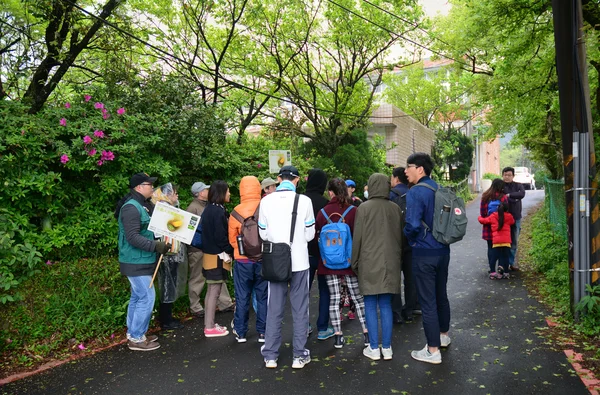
<point x="555" y="200"/>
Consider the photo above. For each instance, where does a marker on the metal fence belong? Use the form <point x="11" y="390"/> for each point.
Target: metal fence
<point x="555" y="201"/>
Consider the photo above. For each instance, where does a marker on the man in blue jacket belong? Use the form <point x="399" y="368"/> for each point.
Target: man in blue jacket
<point x="430" y="259"/>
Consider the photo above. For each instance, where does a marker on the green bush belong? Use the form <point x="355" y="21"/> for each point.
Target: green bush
<point x="491" y="176"/>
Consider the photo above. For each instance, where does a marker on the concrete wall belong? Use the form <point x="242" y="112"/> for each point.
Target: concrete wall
<point x="407" y="133"/>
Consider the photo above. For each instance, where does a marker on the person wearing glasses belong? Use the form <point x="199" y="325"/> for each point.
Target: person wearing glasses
<point x="430" y="258"/>
<point x="137" y="257"/>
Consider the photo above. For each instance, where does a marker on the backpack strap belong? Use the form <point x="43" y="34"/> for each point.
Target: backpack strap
<point x="346" y="212"/>
<point x="238" y="217"/>
<point x="294" y="215"/>
<point x="326" y="216"/>
<point x="422" y="184"/>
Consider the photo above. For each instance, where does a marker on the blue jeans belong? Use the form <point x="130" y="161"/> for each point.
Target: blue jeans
<point x="515" y="230"/>
<point x="247" y="279"/>
<point x="140" y="306"/>
<point x="323" y="319"/>
<point x="384" y="301"/>
<point x="431" y="277"/>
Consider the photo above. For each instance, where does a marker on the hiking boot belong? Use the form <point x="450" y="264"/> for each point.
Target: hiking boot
<point x="299" y="362"/>
<point x="217" y="331"/>
<point x="375" y="355"/>
<point x="445" y="340"/>
<point x="417" y="312"/>
<point x="326" y="334"/>
<point x="500" y="270"/>
<point x="143" y="345"/>
<point x="261" y="337"/>
<point x="271" y="363"/>
<point x="310" y="329"/>
<point x="351" y="315"/>
<point x="338" y="342"/>
<point x="387" y="353"/>
<point x="366" y="339"/>
<point x="425" y="356"/>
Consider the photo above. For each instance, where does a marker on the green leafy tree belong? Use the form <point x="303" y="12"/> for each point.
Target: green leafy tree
<point x="453" y="154"/>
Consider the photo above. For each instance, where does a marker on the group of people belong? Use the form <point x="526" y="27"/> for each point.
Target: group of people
<point x="390" y="235"/>
<point x="500" y="215"/>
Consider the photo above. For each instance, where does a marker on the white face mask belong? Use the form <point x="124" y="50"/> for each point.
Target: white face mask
<point x="366" y="194"/>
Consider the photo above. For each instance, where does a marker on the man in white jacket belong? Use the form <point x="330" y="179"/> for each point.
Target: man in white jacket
<point x="275" y="222"/>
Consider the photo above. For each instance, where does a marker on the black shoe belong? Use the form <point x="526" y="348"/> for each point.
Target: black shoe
<point x="228" y="310"/>
<point x="398" y="319"/>
<point x="175" y="324"/>
<point x="366" y="339"/>
<point x="338" y="341"/>
<point x="198" y="314"/>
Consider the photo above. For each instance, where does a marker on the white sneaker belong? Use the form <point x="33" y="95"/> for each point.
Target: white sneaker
<point x="271" y="363"/>
<point x="387" y="353"/>
<point x="375" y="355"/>
<point x="425" y="356"/>
<point x="445" y="340"/>
<point x="299" y="362"/>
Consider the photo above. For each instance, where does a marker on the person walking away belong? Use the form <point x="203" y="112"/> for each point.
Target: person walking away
<point x="515" y="192"/>
<point x="247" y="271"/>
<point x="351" y="188"/>
<point x="195" y="257"/>
<point x="430" y="258"/>
<point x="275" y="222"/>
<point x="168" y="287"/>
<point x="137" y="260"/>
<point x="315" y="187"/>
<point x="334" y="210"/>
<point x="217" y="253"/>
<point x="500" y="222"/>
<point x="403" y="312"/>
<point x="490" y="201"/>
<point x="376" y="257"/>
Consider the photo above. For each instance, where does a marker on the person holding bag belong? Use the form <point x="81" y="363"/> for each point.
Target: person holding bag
<point x="217" y="253"/>
<point x="286" y="224"/>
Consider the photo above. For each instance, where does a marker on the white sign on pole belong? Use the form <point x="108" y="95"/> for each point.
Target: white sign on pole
<point x="172" y="222"/>
<point x="278" y="159"/>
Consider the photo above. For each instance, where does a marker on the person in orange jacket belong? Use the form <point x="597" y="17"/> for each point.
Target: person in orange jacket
<point x="247" y="269"/>
<point x="500" y="222"/>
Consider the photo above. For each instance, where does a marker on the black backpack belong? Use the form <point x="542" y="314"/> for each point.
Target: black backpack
<point x="400" y="200"/>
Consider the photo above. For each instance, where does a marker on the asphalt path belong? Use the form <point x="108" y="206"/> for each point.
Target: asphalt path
<point x="495" y="350"/>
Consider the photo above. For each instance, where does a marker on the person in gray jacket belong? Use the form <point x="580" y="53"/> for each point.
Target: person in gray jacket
<point x="377" y="259"/>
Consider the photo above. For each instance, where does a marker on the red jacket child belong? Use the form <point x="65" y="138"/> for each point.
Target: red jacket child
<point x="500" y="238"/>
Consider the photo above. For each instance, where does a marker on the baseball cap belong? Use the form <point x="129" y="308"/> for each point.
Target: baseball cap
<point x="267" y="182"/>
<point x="289" y="171"/>
<point x="140" y="178"/>
<point x="199" y="187"/>
<point x="350" y="183"/>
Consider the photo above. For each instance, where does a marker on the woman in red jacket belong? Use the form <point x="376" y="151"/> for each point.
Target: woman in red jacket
<point x="339" y="203"/>
<point x="500" y="222"/>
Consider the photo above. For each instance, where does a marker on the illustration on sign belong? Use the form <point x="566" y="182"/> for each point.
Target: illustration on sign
<point x="174" y="223"/>
<point x="278" y="159"/>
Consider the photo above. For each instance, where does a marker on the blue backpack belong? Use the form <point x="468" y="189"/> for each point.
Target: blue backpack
<point x="493" y="206"/>
<point x="197" y="240"/>
<point x="335" y="242"/>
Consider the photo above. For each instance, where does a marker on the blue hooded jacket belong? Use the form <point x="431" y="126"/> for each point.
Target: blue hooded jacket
<point x="420" y="203"/>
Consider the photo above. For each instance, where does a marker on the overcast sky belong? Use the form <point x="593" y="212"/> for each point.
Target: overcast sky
<point x="432" y="7"/>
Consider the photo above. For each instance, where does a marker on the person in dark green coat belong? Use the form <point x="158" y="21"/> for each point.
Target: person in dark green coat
<point x="376" y="259"/>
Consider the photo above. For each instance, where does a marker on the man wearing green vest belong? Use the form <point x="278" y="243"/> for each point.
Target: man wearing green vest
<point x="137" y="257"/>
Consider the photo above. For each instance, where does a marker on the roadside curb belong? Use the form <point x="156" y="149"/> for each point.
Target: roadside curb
<point x="587" y="377"/>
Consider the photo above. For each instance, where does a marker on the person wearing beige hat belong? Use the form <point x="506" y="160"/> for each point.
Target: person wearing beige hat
<point x="195" y="257"/>
<point x="268" y="186"/>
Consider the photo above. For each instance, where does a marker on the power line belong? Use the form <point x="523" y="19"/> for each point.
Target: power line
<point x="416" y="25"/>
<point x="231" y="82"/>
<point x="404" y="37"/>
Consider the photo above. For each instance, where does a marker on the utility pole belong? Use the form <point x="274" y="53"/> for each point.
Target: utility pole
<point x="578" y="152"/>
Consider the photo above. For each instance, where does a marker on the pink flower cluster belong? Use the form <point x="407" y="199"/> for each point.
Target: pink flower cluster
<point x="64" y="158"/>
<point x="106" y="156"/>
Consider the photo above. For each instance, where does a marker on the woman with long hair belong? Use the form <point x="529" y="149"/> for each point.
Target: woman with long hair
<point x="217" y="253"/>
<point x="339" y="202"/>
<point x="490" y="201"/>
